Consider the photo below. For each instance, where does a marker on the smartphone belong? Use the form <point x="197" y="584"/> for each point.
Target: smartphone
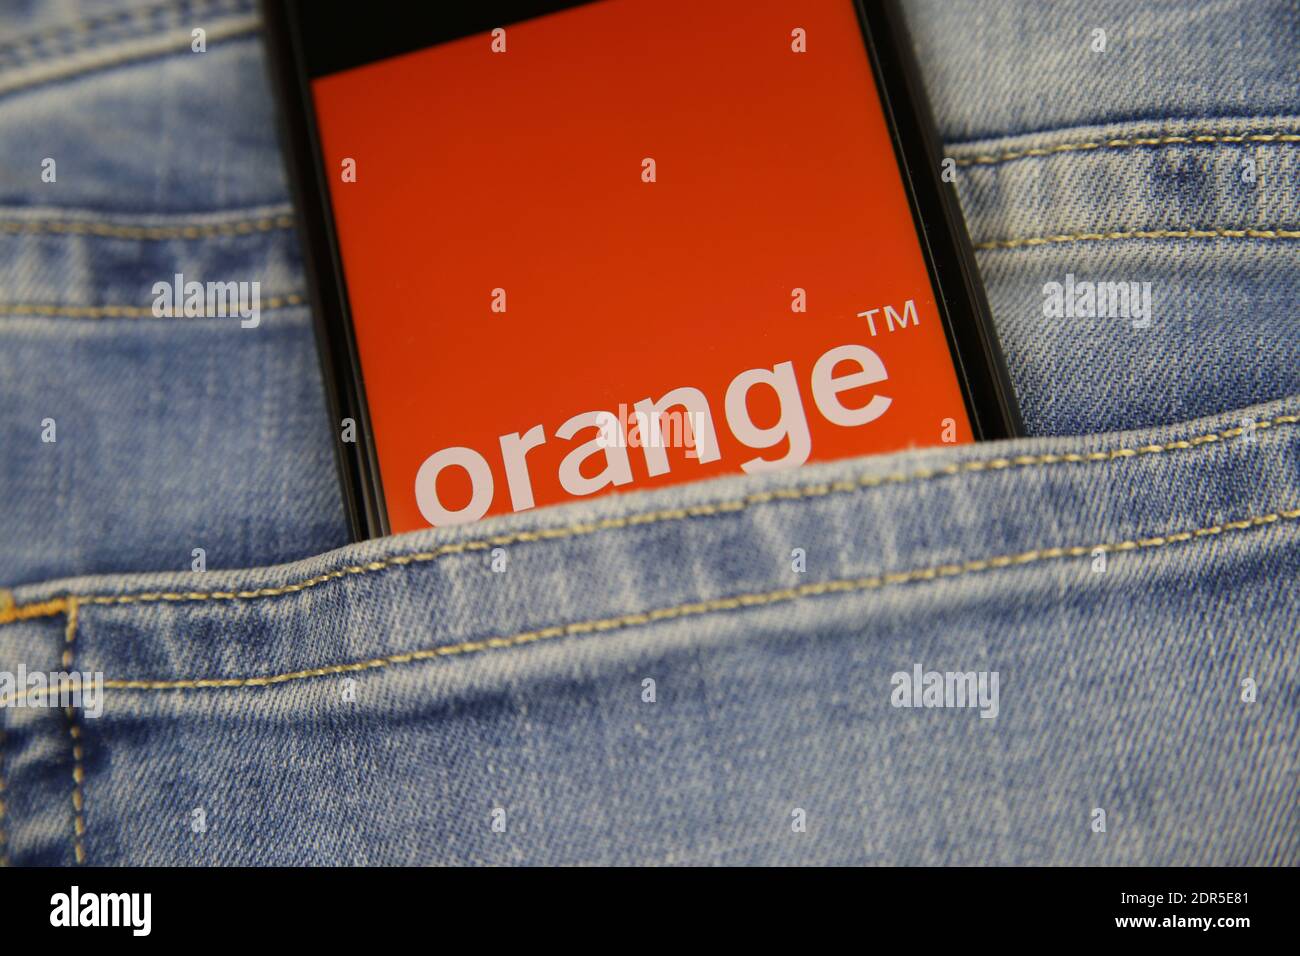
<point x="558" y="250"/>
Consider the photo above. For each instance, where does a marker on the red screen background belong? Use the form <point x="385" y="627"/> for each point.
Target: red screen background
<point x="522" y="170"/>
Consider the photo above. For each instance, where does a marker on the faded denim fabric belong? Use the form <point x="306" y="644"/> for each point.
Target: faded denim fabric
<point x="1017" y="78"/>
<point x="173" y="434"/>
<point x="399" y="701"/>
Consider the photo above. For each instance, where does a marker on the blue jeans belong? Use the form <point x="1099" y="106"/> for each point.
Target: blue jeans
<point x="704" y="674"/>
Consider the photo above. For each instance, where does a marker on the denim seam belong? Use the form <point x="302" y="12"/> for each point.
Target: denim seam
<point x="136" y="51"/>
<point x="82" y="32"/>
<point x="58" y="605"/>
<point x="273" y="223"/>
<point x="692" y="609"/>
<point x="74" y="734"/>
<point x="268" y="304"/>
<point x="991" y="159"/>
<point x="1212" y="233"/>
<point x="202" y="231"/>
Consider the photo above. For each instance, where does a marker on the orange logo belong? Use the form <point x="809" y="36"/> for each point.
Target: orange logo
<point x="523" y="281"/>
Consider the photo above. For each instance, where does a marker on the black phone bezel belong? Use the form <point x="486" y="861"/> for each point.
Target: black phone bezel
<point x="358" y="461"/>
<point x="959" y="294"/>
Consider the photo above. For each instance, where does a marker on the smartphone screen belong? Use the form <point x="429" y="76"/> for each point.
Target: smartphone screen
<point x="628" y="244"/>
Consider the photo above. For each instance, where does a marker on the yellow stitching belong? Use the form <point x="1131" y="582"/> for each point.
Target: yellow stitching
<point x="201" y="231"/>
<point x="1141" y="234"/>
<point x="70" y="632"/>
<point x="80" y="28"/>
<point x="24" y="612"/>
<point x="841" y="586"/>
<point x="56" y="605"/>
<point x="43" y="72"/>
<point x="125" y="311"/>
<point x="78" y="753"/>
<point x="78" y="780"/>
<point x="987" y="159"/>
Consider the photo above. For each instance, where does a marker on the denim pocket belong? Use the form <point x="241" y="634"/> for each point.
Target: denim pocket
<point x="704" y="674"/>
<point x="131" y="440"/>
<point x="1141" y="273"/>
<point x="195" y="434"/>
<point x="707" y="674"/>
<point x="1120" y="143"/>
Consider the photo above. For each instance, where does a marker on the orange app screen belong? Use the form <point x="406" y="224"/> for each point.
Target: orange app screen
<point x="629" y="244"/>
